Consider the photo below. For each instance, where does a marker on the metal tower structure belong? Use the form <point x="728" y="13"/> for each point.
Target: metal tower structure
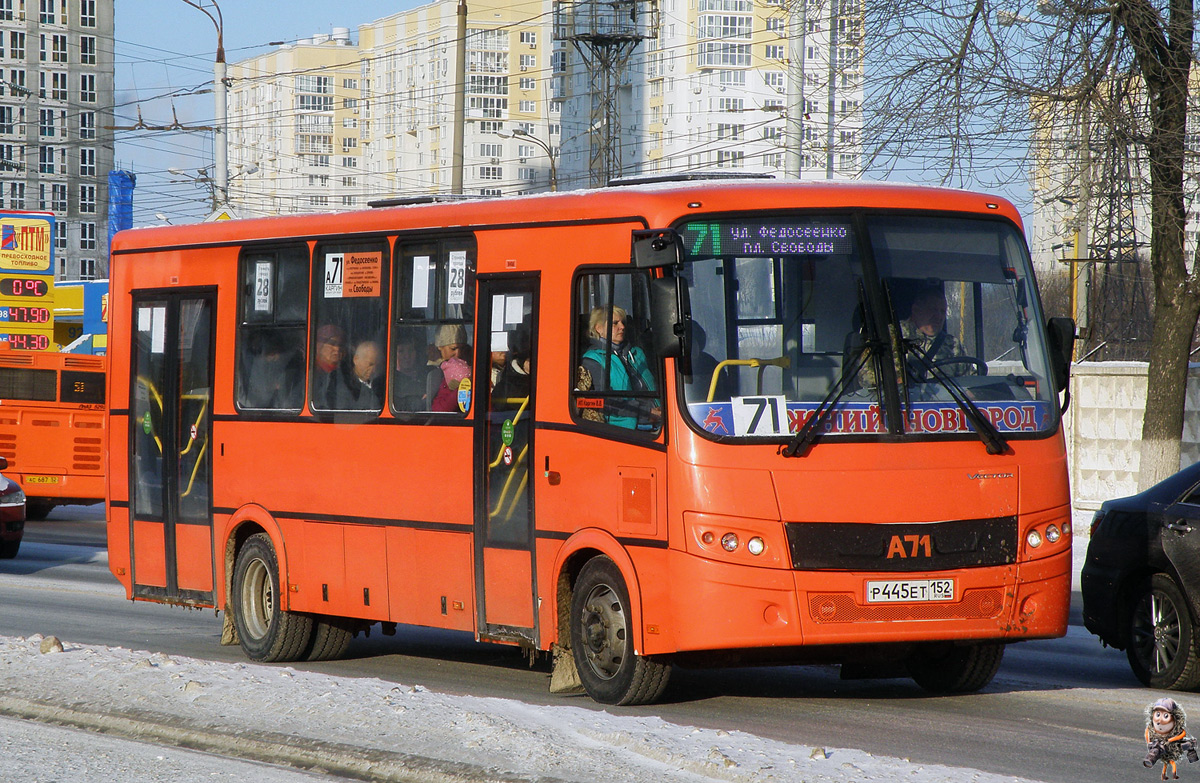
<point x="605" y="33"/>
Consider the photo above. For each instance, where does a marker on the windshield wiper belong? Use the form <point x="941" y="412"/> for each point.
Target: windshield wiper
<point x="987" y="432"/>
<point x="799" y="445"/>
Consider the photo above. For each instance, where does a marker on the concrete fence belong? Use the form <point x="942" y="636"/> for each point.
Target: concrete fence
<point x="1104" y="428"/>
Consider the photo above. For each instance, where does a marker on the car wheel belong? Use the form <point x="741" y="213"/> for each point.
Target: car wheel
<point x="956" y="669"/>
<point x="1162" y="643"/>
<point x="266" y="632"/>
<point x="602" y="640"/>
<point x="9" y="549"/>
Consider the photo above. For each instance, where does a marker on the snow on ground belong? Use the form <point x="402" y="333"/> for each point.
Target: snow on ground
<point x="364" y="728"/>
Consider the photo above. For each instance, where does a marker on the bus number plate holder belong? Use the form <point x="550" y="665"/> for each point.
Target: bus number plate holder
<point x="910" y="590"/>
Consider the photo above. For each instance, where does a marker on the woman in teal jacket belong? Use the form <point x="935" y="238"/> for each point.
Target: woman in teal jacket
<point x="628" y="370"/>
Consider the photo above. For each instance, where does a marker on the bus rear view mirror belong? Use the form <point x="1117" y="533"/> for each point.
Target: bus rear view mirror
<point x="656" y="248"/>
<point x="670" y="317"/>
<point x="1061" y="336"/>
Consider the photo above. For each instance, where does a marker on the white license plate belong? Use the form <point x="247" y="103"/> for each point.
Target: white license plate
<point x="910" y="590"/>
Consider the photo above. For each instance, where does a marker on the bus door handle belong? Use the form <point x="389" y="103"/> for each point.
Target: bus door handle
<point x="552" y="476"/>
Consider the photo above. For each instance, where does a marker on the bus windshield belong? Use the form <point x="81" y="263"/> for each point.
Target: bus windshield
<point x="855" y="315"/>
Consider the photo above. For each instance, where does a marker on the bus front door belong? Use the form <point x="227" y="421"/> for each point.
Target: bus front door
<point x="171" y="448"/>
<point x="504" y="457"/>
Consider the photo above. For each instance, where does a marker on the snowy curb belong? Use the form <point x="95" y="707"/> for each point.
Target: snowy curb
<point x="305" y="754"/>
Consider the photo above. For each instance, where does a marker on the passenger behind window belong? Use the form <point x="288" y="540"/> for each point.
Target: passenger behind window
<point x="628" y="371"/>
<point x="327" y="359"/>
<point x="361" y="388"/>
<point x="454" y="371"/>
<point x="275" y="379"/>
<point x="409" y="391"/>
<point x="511" y="380"/>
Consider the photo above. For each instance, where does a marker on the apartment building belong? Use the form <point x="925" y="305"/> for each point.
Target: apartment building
<point x="725" y="85"/>
<point x="294" y="128"/>
<point x="56" y="99"/>
<point x="770" y="86"/>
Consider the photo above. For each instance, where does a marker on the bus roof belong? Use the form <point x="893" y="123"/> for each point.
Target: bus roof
<point x="659" y="204"/>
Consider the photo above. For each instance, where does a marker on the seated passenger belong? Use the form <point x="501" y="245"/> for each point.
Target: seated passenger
<point x="409" y="392"/>
<point x="327" y="359"/>
<point x="275" y="378"/>
<point x="628" y="371"/>
<point x="361" y="388"/>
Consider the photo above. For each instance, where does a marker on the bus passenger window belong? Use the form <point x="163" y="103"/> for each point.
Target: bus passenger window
<point x="271" y="331"/>
<point x="435" y="300"/>
<point x="350" y="314"/>
<point x="617" y="375"/>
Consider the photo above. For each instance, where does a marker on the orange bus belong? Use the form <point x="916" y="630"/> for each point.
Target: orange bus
<point x="648" y="424"/>
<point x="52" y="426"/>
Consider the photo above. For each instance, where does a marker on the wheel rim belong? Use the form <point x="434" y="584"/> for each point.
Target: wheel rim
<point x="258" y="598"/>
<point x="604" y="631"/>
<point x="1157" y="634"/>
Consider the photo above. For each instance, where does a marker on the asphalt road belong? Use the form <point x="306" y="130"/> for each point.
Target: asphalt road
<point x="1061" y="710"/>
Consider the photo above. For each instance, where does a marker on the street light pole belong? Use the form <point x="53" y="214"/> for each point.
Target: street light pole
<point x="524" y="134"/>
<point x="220" y="88"/>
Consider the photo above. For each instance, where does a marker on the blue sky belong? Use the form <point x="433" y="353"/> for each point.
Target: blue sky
<point x="166" y="48"/>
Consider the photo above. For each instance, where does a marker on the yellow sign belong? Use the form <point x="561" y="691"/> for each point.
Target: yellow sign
<point x="25" y="244"/>
<point x="41" y="479"/>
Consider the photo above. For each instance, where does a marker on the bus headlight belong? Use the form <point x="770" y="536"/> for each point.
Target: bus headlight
<point x="755" y="546"/>
<point x="729" y="542"/>
<point x="1034" y="539"/>
<point x="1052" y="534"/>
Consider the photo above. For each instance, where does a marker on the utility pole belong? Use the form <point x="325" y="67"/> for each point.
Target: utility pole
<point x="220" y="89"/>
<point x="795" y="96"/>
<point x="460" y="101"/>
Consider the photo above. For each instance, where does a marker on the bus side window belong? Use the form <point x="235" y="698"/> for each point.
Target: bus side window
<point x="435" y="303"/>
<point x="348" y="357"/>
<point x="271" y="332"/>
<point x="617" y="378"/>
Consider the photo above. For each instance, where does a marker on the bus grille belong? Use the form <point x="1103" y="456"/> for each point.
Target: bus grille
<point x="843" y="608"/>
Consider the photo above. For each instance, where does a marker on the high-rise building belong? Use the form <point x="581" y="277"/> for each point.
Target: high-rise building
<point x="755" y="86"/>
<point x="294" y="125"/>
<point x="56" y="99"/>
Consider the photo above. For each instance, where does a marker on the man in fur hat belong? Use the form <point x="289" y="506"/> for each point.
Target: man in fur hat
<point x="1166" y="736"/>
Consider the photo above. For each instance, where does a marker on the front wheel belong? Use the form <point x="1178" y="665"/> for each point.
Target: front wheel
<point x="266" y="632"/>
<point x="956" y="669"/>
<point x="602" y="640"/>
<point x="1162" y="645"/>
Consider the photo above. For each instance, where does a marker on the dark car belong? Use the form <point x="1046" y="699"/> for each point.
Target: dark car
<point x="12" y="515"/>
<point x="1141" y="580"/>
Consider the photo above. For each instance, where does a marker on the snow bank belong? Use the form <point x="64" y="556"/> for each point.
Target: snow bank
<point x="370" y="727"/>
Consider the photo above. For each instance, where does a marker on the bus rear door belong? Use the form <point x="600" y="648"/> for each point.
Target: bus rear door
<point x="504" y="456"/>
<point x="171" y="440"/>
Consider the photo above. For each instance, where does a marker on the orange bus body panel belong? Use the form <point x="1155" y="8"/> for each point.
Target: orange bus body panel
<point x="378" y="521"/>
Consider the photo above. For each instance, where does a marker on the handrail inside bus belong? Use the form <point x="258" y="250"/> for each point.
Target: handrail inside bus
<point x="761" y="364"/>
<point x="516" y="419"/>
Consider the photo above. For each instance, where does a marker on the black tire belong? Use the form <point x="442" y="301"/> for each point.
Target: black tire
<point x="330" y="639"/>
<point x="602" y="640"/>
<point x="266" y="632"/>
<point x="1162" y="637"/>
<point x="9" y="549"/>
<point x="956" y="668"/>
<point x="37" y="510"/>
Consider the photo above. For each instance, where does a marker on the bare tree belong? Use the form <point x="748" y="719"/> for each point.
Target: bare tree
<point x="958" y="86"/>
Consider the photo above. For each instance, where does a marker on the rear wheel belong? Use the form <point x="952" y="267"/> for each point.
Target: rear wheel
<point x="1162" y="644"/>
<point x="266" y="632"/>
<point x="956" y="669"/>
<point x="8" y="549"/>
<point x="602" y="640"/>
<point x="330" y="639"/>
